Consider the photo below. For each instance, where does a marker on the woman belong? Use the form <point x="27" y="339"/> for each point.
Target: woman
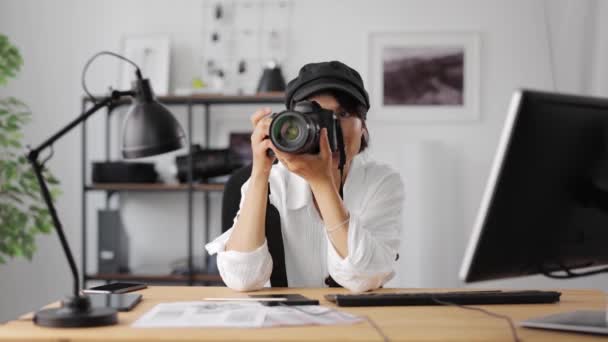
<point x="355" y="240"/>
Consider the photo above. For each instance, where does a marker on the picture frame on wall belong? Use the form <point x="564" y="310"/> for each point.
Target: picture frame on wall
<point x="151" y="52"/>
<point x="424" y="76"/>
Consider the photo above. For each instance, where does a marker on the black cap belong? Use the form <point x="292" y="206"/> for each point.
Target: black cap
<point x="316" y="77"/>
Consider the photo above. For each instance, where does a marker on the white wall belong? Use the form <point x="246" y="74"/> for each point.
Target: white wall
<point x="57" y="37"/>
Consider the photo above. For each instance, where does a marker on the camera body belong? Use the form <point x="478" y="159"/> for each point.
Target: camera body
<point x="298" y="131"/>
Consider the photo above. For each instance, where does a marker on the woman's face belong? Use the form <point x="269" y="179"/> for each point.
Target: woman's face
<point x="352" y="127"/>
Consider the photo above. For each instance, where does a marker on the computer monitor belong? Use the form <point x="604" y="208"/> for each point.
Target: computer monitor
<point x="545" y="206"/>
<point x="240" y="147"/>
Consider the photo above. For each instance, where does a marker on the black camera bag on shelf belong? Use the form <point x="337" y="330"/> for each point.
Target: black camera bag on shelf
<point x="206" y="163"/>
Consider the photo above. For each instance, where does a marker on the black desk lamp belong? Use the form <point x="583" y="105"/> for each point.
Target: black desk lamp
<point x="148" y="130"/>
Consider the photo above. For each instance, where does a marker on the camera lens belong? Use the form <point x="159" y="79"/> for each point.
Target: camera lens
<point x="291" y="132"/>
<point x="289" y="129"/>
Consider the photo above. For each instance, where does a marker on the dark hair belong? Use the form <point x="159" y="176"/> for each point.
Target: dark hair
<point x="350" y="105"/>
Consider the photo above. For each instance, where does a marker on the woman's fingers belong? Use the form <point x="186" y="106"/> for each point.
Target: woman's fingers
<point x="259" y="115"/>
<point x="266" y="145"/>
<point x="261" y="130"/>
<point x="284" y="158"/>
<point x="288" y="157"/>
<point x="280" y="156"/>
<point x="259" y="139"/>
<point x="325" y="150"/>
<point x="295" y="162"/>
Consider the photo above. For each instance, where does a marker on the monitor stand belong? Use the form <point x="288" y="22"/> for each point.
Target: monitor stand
<point x="585" y="321"/>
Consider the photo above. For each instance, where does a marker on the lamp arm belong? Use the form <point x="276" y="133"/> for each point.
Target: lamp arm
<point x="32" y="157"/>
<point x="49" y="204"/>
<point x="116" y="95"/>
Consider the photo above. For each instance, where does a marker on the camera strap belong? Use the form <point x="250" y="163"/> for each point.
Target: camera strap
<point x="342" y="161"/>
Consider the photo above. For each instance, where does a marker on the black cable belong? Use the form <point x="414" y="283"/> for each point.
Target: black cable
<point x="86" y="67"/>
<point x="341" y="183"/>
<point x="570" y="275"/>
<point x="377" y="328"/>
<point x="489" y="313"/>
<point x="86" y="90"/>
<point x="342" y="162"/>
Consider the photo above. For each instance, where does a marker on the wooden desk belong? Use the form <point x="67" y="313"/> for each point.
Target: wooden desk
<point x="422" y="323"/>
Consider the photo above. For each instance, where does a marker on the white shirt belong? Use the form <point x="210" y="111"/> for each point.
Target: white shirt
<point x="373" y="195"/>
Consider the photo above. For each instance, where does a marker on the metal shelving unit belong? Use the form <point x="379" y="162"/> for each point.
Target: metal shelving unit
<point x="189" y="188"/>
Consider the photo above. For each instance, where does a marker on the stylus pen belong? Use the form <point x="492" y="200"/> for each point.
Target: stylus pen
<point x="247" y="299"/>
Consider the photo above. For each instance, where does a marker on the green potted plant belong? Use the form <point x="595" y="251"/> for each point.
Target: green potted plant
<point x="23" y="214"/>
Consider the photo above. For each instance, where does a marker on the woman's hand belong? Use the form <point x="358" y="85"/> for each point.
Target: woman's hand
<point x="316" y="169"/>
<point x="262" y="163"/>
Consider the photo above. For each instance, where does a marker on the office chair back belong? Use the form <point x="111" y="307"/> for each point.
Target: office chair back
<point x="230" y="206"/>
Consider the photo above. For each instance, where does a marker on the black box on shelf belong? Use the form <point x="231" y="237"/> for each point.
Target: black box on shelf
<point x="123" y="172"/>
<point x="113" y="243"/>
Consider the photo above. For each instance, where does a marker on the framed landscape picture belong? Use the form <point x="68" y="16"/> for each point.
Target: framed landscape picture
<point x="424" y="76"/>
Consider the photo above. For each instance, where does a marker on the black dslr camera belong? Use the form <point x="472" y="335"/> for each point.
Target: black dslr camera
<point x="298" y="131"/>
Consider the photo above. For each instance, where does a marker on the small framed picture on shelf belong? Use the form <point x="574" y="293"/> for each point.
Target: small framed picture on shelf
<point x="151" y="52"/>
<point x="426" y="77"/>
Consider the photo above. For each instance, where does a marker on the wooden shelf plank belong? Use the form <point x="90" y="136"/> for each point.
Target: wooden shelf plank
<point x="153" y="187"/>
<point x="220" y="98"/>
<point x="154" y="277"/>
<point x="271" y="97"/>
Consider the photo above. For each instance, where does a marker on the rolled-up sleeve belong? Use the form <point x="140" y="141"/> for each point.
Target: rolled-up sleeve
<point x="241" y="271"/>
<point x="373" y="239"/>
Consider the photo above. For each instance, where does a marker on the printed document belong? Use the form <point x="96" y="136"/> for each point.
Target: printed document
<point x="239" y="315"/>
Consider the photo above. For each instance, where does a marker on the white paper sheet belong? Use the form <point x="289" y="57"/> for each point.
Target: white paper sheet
<point x="238" y="315"/>
<point x="307" y="315"/>
<point x="203" y="314"/>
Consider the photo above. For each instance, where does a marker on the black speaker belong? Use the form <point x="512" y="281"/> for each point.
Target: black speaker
<point x="113" y="243"/>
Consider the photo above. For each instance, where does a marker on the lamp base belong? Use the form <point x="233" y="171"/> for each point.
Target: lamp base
<point x="76" y="312"/>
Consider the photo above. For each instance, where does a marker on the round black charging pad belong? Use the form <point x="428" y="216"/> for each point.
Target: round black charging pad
<point x="76" y="312"/>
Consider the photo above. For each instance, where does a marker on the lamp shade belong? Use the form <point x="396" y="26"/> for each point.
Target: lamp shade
<point x="272" y="79"/>
<point x="149" y="128"/>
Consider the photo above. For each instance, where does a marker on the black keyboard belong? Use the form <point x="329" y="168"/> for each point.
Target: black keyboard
<point x="444" y="298"/>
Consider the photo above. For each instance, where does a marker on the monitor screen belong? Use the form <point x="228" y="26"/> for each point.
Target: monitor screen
<point x="545" y="206"/>
<point x="240" y="147"/>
